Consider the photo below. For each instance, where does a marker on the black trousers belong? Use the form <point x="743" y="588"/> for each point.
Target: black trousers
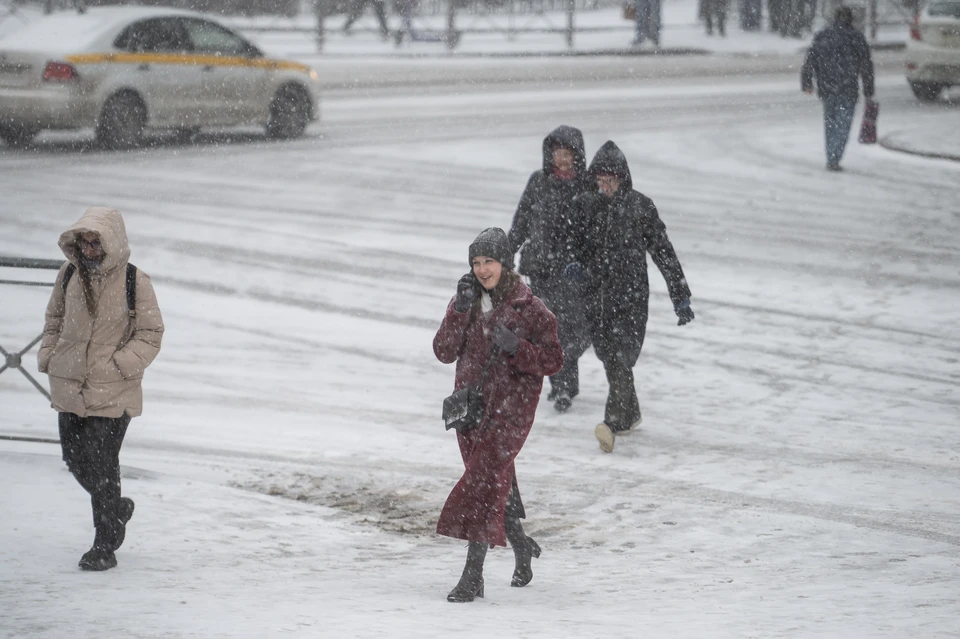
<point x="623" y="407"/>
<point x="618" y="347"/>
<point x="573" y="330"/>
<point x="91" y="449"/>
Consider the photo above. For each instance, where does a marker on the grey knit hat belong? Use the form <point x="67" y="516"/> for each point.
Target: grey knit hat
<point x="492" y="242"/>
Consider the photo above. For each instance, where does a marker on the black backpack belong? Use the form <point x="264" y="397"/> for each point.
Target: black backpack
<point x="131" y="286"/>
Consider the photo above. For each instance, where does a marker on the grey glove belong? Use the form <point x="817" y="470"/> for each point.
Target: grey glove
<point x="505" y="339"/>
<point x="684" y="312"/>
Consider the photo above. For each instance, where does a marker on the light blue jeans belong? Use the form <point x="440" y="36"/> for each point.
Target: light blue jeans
<point x="837" y="120"/>
<point x="648" y="21"/>
<point x="643" y="16"/>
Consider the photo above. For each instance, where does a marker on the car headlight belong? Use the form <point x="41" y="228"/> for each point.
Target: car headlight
<point x="313" y="75"/>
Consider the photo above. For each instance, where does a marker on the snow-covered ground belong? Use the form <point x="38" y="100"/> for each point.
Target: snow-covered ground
<point x="797" y="475"/>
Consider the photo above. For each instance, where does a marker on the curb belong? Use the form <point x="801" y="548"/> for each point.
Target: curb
<point x="893" y="145"/>
<point x="36" y="440"/>
<point x="524" y="54"/>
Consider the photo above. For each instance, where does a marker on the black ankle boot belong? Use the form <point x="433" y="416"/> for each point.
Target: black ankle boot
<point x="523" y="571"/>
<point x="524" y="550"/>
<point x="126" y="513"/>
<point x="98" y="559"/>
<point x="471" y="581"/>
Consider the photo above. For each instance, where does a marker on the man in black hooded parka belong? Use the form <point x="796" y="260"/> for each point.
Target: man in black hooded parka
<point x="616" y="227"/>
<point x="542" y="231"/>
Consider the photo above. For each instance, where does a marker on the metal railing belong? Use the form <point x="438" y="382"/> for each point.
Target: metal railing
<point x="10" y="9"/>
<point x="14" y="360"/>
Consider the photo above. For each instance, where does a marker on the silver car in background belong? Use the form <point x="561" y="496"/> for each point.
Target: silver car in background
<point x="122" y="70"/>
<point x="933" y="50"/>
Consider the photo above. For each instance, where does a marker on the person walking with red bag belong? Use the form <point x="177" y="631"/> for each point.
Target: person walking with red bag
<point x="494" y="318"/>
<point x="838" y="59"/>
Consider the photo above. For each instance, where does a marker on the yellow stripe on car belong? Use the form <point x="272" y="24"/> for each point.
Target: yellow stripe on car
<point x="186" y="59"/>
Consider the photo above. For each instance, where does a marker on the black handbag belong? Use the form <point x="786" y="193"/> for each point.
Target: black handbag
<point x="463" y="410"/>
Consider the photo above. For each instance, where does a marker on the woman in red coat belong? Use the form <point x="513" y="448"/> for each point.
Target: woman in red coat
<point x="494" y="314"/>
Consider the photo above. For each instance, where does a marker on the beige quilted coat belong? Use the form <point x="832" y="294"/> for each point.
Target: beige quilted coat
<point x="96" y="364"/>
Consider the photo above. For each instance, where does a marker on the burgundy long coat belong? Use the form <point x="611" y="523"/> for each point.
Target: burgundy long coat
<point x="475" y="508"/>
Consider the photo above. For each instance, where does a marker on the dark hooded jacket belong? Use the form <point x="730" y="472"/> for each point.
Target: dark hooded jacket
<point x="615" y="235"/>
<point x="838" y="56"/>
<point x="541" y="225"/>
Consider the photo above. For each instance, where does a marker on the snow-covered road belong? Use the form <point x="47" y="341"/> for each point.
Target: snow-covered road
<point x="798" y="472"/>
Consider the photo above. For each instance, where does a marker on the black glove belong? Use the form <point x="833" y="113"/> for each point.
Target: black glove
<point x="684" y="312"/>
<point x="466" y="292"/>
<point x="505" y="339"/>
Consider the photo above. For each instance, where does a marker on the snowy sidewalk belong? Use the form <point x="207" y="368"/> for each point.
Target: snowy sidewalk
<point x="605" y="33"/>
<point x="207" y="560"/>
<point x="927" y="141"/>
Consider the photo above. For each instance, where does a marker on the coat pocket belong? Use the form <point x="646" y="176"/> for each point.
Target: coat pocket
<point x="68" y="360"/>
<point x="43" y="358"/>
<point x="103" y="368"/>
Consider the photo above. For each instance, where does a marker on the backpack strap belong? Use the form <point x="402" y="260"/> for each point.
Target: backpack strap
<point x="67" y="274"/>
<point x="131" y="290"/>
<point x="131" y="281"/>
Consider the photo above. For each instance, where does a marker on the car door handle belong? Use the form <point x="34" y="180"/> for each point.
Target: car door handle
<point x="143" y="67"/>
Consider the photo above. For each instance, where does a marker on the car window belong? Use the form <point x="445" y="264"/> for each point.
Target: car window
<point x="153" y="36"/>
<point x="209" y="37"/>
<point x="945" y="9"/>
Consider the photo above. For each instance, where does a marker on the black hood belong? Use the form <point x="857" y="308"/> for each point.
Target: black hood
<point x="569" y="137"/>
<point x="610" y="159"/>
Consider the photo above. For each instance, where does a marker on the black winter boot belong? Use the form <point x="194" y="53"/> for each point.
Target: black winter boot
<point x="126" y="513"/>
<point x="524" y="550"/>
<point x="98" y="559"/>
<point x="471" y="581"/>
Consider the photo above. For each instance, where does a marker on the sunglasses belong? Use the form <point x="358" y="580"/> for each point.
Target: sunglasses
<point x="94" y="244"/>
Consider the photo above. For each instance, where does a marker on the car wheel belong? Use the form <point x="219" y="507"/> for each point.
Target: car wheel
<point x="926" y="91"/>
<point x="289" y="113"/>
<point x="122" y="122"/>
<point x="17" y="137"/>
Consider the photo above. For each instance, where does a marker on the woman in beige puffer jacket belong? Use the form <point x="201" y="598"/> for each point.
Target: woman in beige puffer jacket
<point x="95" y="354"/>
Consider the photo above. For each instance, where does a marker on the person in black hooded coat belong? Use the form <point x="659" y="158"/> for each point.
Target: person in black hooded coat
<point x="541" y="230"/>
<point x="616" y="227"/>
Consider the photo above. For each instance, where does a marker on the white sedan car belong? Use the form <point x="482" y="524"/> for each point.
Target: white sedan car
<point x="933" y="50"/>
<point x="121" y="70"/>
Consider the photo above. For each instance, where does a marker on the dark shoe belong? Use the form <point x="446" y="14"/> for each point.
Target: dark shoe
<point x="563" y="403"/>
<point x="98" y="559"/>
<point x="523" y="572"/>
<point x="126" y="513"/>
<point x="553" y="394"/>
<point x="836" y="168"/>
<point x="471" y="581"/>
<point x="126" y="509"/>
<point x="632" y="428"/>
<point x="466" y="591"/>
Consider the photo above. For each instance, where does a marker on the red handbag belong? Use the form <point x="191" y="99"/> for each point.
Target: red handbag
<point x="868" y="128"/>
